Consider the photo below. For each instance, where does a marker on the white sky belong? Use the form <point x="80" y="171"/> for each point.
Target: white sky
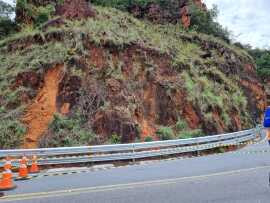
<point x="249" y="20"/>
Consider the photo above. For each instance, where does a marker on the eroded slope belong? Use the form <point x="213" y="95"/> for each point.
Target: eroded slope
<point x="125" y="79"/>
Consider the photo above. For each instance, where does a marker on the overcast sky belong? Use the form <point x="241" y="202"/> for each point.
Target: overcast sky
<point x="249" y="20"/>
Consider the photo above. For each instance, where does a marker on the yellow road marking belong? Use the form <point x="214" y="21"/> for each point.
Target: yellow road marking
<point x="78" y="191"/>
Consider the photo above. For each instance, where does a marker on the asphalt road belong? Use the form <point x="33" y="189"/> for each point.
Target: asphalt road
<point x="230" y="177"/>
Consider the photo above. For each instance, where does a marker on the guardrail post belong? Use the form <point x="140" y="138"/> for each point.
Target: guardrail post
<point x="259" y="129"/>
<point x="258" y="133"/>
<point x="197" y="145"/>
<point x="133" y="151"/>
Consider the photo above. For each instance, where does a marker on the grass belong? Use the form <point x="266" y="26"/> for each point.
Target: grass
<point x="208" y="94"/>
<point x="207" y="86"/>
<point x="66" y="132"/>
<point x="181" y="125"/>
<point x="165" y="133"/>
<point x="190" y="134"/>
<point x="236" y="50"/>
<point x="11" y="133"/>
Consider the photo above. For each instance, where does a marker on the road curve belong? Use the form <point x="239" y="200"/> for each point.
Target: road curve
<point x="242" y="176"/>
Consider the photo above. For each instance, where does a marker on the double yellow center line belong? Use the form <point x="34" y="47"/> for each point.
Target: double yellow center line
<point x="78" y="191"/>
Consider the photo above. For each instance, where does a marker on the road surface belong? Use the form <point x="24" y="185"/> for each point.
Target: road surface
<point x="242" y="176"/>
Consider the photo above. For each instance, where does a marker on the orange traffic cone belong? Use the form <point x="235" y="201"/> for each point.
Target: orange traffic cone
<point x="7" y="182"/>
<point x="24" y="160"/>
<point x="23" y="172"/>
<point x="34" y="167"/>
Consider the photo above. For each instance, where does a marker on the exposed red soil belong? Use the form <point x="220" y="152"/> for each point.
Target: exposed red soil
<point x="65" y="108"/>
<point x="70" y="9"/>
<point x="257" y="90"/>
<point x="185" y="18"/>
<point x="220" y="126"/>
<point x="149" y="116"/>
<point x="40" y="113"/>
<point x="191" y="117"/>
<point x="237" y="121"/>
<point x="75" y="9"/>
<point x="139" y="98"/>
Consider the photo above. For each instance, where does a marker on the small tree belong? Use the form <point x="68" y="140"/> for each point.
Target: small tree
<point x="262" y="59"/>
<point x="7" y="26"/>
<point x="205" y="21"/>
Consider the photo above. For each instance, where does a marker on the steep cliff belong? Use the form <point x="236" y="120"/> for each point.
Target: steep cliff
<point x="121" y="78"/>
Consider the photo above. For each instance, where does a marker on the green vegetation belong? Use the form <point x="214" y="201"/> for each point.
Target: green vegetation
<point x="211" y="90"/>
<point x="262" y="59"/>
<point x="125" y="5"/>
<point x="148" y="139"/>
<point x="205" y="22"/>
<point x="38" y="15"/>
<point x="115" y="139"/>
<point x="180" y="130"/>
<point x="202" y="21"/>
<point x="165" y="133"/>
<point x="7" y="26"/>
<point x="260" y="56"/>
<point x="64" y="132"/>
<point x="205" y="84"/>
<point x="11" y="129"/>
<point x="181" y="125"/>
<point x="190" y="134"/>
<point x="183" y="131"/>
<point x="12" y="132"/>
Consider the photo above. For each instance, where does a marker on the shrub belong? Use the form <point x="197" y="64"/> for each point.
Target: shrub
<point x="148" y="139"/>
<point x="190" y="134"/>
<point x="38" y="15"/>
<point x="64" y="132"/>
<point x="43" y="14"/>
<point x="204" y="22"/>
<point x="181" y="125"/>
<point x="115" y="139"/>
<point x="262" y="59"/>
<point x="201" y="20"/>
<point x="125" y="5"/>
<point x="7" y="26"/>
<point x="165" y="133"/>
<point x="11" y="133"/>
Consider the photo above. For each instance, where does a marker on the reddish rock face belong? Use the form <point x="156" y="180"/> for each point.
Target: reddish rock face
<point x="185" y="17"/>
<point x="75" y="9"/>
<point x="185" y="13"/>
<point x="70" y="9"/>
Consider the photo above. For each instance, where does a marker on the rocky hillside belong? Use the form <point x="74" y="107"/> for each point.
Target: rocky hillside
<point x="109" y="77"/>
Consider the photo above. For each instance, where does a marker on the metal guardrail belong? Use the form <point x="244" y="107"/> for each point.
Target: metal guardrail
<point x="87" y="154"/>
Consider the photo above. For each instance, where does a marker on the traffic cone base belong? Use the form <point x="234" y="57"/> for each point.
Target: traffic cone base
<point x="34" y="166"/>
<point x="12" y="187"/>
<point x="23" y="173"/>
<point x="22" y="178"/>
<point x="7" y="182"/>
